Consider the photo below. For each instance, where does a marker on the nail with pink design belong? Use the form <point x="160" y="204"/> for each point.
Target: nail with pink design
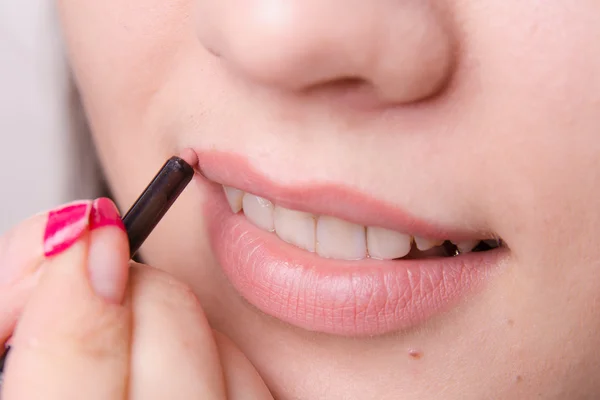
<point x="104" y="213"/>
<point x="65" y="226"/>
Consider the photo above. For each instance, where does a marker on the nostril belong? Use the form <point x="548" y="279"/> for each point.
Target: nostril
<point x="339" y="85"/>
<point x="360" y="93"/>
<point x="354" y="92"/>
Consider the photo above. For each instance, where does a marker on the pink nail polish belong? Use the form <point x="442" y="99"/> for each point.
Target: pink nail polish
<point x="65" y="226"/>
<point x="104" y="213"/>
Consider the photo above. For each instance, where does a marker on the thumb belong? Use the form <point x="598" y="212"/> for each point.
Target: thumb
<point x="81" y="257"/>
<point x="73" y="337"/>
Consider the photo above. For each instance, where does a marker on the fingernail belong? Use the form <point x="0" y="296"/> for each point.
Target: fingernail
<point x="65" y="226"/>
<point x="104" y="213"/>
<point x="108" y="252"/>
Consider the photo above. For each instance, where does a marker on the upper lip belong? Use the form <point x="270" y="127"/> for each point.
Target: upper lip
<point x="339" y="201"/>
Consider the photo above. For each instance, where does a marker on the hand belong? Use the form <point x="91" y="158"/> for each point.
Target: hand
<point x="88" y="326"/>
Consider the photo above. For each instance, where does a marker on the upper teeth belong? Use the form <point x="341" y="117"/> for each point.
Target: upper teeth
<point x="329" y="237"/>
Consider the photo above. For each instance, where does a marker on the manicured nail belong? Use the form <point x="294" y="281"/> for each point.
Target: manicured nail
<point x="104" y="213"/>
<point x="65" y="226"/>
<point x="108" y="253"/>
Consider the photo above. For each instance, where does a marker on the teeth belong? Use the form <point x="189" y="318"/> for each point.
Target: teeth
<point x="385" y="244"/>
<point x="234" y="198"/>
<point x="332" y="237"/>
<point x="426" y="244"/>
<point x="259" y="211"/>
<point x="340" y="239"/>
<point x="467" y="246"/>
<point x="296" y="227"/>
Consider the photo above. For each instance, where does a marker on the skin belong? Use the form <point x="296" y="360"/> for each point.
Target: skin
<point x="84" y="322"/>
<point x="486" y="114"/>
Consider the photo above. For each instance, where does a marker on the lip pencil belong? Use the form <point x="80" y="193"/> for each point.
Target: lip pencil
<point x="156" y="200"/>
<point x="151" y="206"/>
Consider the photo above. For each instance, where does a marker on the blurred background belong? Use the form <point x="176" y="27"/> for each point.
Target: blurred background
<point x="45" y="154"/>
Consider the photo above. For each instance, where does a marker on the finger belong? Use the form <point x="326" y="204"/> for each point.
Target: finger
<point x="241" y="378"/>
<point x="72" y="341"/>
<point x="173" y="353"/>
<point x="21" y="255"/>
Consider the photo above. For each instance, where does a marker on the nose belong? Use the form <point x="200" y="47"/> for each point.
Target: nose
<point x="402" y="49"/>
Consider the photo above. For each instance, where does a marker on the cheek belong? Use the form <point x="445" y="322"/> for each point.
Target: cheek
<point x="123" y="55"/>
<point x="116" y="47"/>
<point x="536" y="101"/>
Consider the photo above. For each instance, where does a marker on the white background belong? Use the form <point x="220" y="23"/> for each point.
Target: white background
<point x="41" y="164"/>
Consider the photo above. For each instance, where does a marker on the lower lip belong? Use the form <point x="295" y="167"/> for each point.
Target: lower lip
<point x="349" y="298"/>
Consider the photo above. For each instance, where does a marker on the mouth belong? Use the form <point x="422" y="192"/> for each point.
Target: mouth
<point x="331" y="260"/>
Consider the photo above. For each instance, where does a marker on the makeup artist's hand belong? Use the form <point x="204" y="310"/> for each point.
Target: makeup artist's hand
<point x="90" y="327"/>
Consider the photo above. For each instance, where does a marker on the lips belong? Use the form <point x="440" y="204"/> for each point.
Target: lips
<point x="357" y="297"/>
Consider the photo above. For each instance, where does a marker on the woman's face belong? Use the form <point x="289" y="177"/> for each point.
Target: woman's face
<point x="442" y="120"/>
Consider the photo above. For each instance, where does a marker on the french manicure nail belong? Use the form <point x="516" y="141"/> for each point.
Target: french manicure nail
<point x="65" y="226"/>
